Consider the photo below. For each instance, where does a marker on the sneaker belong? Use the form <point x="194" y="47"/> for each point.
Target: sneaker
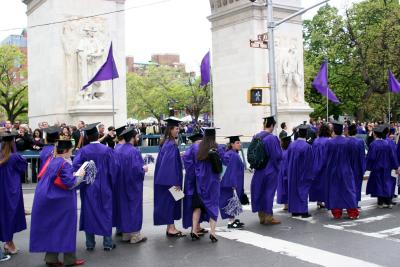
<point x="234" y="225"/>
<point x="239" y="222"/>
<point x="138" y="239"/>
<point x="5" y="258"/>
<point x="110" y="248"/>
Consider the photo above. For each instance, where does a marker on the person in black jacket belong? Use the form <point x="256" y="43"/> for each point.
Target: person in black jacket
<point x="24" y="140"/>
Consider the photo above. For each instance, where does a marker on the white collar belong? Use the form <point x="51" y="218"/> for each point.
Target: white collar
<point x="95" y="142"/>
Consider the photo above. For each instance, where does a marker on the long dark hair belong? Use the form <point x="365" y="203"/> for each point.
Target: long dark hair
<point x="168" y="135"/>
<point x="324" y="131"/>
<point x="7" y="148"/>
<point x="206" y="144"/>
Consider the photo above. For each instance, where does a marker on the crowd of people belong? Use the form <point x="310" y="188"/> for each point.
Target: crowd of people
<point x="318" y="162"/>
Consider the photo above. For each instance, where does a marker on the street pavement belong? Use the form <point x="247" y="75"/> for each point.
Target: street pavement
<point x="372" y="240"/>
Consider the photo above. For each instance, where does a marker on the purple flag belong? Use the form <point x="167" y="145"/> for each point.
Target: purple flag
<point x="394" y="84"/>
<point x="320" y="83"/>
<point x="107" y="72"/>
<point x="205" y="70"/>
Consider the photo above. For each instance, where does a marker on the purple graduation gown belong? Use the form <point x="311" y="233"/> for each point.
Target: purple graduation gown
<point x="130" y="186"/>
<point x="317" y="191"/>
<point x="381" y="161"/>
<point x="282" y="188"/>
<point x="358" y="163"/>
<point x="208" y="184"/>
<point x="54" y="211"/>
<point x="96" y="199"/>
<point x="300" y="175"/>
<point x="265" y="181"/>
<point x="12" y="212"/>
<point x="45" y="153"/>
<point x="340" y="185"/>
<point x="168" y="173"/>
<point x="189" y="188"/>
<point x="233" y="178"/>
<point x="115" y="189"/>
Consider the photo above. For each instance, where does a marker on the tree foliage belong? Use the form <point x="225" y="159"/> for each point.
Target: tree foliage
<point x="359" y="46"/>
<point x="160" y="88"/>
<point x="13" y="95"/>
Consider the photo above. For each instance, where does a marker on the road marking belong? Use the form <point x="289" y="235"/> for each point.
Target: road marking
<point x="298" y="251"/>
<point x="385" y="234"/>
<point x="343" y="225"/>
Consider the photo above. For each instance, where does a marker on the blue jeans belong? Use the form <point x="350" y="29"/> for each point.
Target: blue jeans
<point x="1" y="252"/>
<point x="91" y="242"/>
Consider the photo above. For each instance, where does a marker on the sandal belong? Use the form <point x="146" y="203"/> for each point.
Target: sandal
<point x="7" y="250"/>
<point x="178" y="234"/>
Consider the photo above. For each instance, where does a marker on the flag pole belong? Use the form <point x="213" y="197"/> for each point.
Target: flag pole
<point x="113" y="106"/>
<point x="211" y="94"/>
<point x="389" y="108"/>
<point x="327" y="100"/>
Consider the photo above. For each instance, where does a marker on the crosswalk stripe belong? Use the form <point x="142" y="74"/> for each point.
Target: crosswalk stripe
<point x="357" y="222"/>
<point x="385" y="234"/>
<point x="291" y="249"/>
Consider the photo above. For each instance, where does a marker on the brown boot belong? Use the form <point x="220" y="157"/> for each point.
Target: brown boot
<point x="261" y="216"/>
<point x="270" y="220"/>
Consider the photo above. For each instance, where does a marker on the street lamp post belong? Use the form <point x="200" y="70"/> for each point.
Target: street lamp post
<point x="271" y="25"/>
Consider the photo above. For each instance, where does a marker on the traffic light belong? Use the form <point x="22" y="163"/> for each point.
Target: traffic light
<point x="255" y="96"/>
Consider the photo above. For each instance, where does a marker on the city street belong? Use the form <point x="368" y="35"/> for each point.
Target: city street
<point x="372" y="240"/>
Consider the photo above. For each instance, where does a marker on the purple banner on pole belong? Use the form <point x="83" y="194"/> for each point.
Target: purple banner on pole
<point x="394" y="84"/>
<point x="205" y="70"/>
<point x="320" y="83"/>
<point x="107" y="72"/>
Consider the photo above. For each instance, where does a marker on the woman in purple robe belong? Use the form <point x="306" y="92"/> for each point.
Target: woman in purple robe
<point x="381" y="161"/>
<point x="357" y="158"/>
<point x="233" y="180"/>
<point x="130" y="184"/>
<point x="54" y="211"/>
<point x="265" y="180"/>
<point x="340" y="185"/>
<point x="189" y="188"/>
<point x="12" y="212"/>
<point x="299" y="174"/>
<point x="319" y="146"/>
<point x="167" y="174"/>
<point x="282" y="188"/>
<point x="206" y="198"/>
<point x="96" y="199"/>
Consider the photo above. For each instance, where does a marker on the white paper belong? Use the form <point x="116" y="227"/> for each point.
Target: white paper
<point x="177" y="194"/>
<point x="81" y="168"/>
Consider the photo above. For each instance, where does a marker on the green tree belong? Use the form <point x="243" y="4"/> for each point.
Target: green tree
<point x="13" y="95"/>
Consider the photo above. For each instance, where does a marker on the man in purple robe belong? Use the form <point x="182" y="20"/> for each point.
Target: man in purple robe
<point x="282" y="188"/>
<point x="96" y="199"/>
<point x="340" y="186"/>
<point x="130" y="184"/>
<point x="265" y="180"/>
<point x="357" y="158"/>
<point x="52" y="134"/>
<point x="54" y="211"/>
<point x="299" y="174"/>
<point x="381" y="161"/>
<point x="12" y="213"/>
<point x="233" y="180"/>
<point x="189" y="159"/>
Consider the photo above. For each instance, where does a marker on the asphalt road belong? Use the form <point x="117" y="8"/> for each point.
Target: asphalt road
<point x="372" y="240"/>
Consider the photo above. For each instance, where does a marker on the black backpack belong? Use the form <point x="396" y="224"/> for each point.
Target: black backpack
<point x="256" y="154"/>
<point x="215" y="160"/>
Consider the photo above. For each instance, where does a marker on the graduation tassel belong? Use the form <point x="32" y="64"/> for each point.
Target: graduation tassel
<point x="234" y="207"/>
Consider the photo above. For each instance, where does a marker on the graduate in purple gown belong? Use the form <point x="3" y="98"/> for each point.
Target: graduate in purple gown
<point x="282" y="188"/>
<point x="381" y="161"/>
<point x="319" y="146"/>
<point x="167" y="174"/>
<point x="116" y="208"/>
<point x="233" y="180"/>
<point x="357" y="158"/>
<point x="52" y="134"/>
<point x="340" y="186"/>
<point x="54" y="211"/>
<point x="265" y="181"/>
<point x="12" y="212"/>
<point x="206" y="198"/>
<point x="299" y="174"/>
<point x="189" y="188"/>
<point x="96" y="199"/>
<point x="130" y="184"/>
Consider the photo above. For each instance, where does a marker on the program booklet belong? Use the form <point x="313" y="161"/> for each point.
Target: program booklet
<point x="177" y="194"/>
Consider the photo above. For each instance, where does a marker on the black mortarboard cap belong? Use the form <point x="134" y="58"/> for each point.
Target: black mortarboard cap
<point x="386" y="128"/>
<point x="337" y="125"/>
<point x="91" y="129"/>
<point x="269" y="120"/>
<point x="234" y="138"/>
<point x="195" y="137"/>
<point x="53" y="132"/>
<point x="64" y="144"/>
<point x="303" y="128"/>
<point x="171" y="121"/>
<point x="352" y="127"/>
<point x="128" y="132"/>
<point x="8" y="137"/>
<point x="209" y="131"/>
<point x="119" y="130"/>
<point x="379" y="129"/>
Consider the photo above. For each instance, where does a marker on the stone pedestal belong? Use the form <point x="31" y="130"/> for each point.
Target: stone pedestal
<point x="236" y="67"/>
<point x="64" y="56"/>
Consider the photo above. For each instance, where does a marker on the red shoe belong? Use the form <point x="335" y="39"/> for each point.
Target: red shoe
<point x="77" y="263"/>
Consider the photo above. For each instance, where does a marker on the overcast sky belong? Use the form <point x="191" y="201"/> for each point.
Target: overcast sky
<point x="174" y="26"/>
